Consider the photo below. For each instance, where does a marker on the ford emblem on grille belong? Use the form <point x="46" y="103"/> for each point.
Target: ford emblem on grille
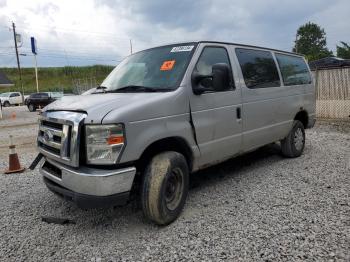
<point x="48" y="136"/>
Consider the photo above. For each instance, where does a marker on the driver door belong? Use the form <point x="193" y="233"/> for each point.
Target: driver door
<point x="216" y="116"/>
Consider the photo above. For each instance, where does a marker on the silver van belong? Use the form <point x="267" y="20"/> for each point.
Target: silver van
<point x="168" y="111"/>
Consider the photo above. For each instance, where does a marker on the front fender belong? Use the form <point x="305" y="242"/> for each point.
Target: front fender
<point x="141" y="134"/>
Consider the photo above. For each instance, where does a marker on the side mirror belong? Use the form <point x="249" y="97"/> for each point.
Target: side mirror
<point x="219" y="79"/>
<point x="221" y="76"/>
<point x="196" y="80"/>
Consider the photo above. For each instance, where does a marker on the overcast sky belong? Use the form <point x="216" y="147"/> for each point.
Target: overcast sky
<point x="84" y="32"/>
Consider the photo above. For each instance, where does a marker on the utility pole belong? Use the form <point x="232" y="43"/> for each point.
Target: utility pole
<point x="296" y="42"/>
<point x="18" y="65"/>
<point x="130" y="47"/>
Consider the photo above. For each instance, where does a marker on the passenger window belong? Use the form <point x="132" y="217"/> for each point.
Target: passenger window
<point x="209" y="57"/>
<point x="293" y="69"/>
<point x="258" y="68"/>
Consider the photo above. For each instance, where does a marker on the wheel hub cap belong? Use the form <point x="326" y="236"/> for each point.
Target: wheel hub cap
<point x="174" y="189"/>
<point x="298" y="139"/>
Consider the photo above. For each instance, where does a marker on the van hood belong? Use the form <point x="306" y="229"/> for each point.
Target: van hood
<point x="91" y="103"/>
<point x="97" y="106"/>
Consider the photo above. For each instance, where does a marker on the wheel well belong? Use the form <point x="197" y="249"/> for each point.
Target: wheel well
<point x="303" y="117"/>
<point x="176" y="144"/>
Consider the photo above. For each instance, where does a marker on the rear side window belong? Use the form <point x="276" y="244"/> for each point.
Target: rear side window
<point x="293" y="69"/>
<point x="258" y="68"/>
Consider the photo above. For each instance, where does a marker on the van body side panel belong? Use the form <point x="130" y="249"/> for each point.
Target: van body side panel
<point x="268" y="112"/>
<point x="310" y="99"/>
<point x="310" y="105"/>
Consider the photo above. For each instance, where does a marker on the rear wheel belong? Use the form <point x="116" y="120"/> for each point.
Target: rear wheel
<point x="165" y="187"/>
<point x="31" y="108"/>
<point x="293" y="145"/>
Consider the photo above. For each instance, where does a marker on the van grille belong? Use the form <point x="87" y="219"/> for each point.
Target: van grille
<point x="51" y="135"/>
<point x="59" y="135"/>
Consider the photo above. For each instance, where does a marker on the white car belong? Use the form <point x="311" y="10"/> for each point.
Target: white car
<point x="11" y="98"/>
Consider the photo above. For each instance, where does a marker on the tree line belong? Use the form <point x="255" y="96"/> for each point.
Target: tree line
<point x="311" y="41"/>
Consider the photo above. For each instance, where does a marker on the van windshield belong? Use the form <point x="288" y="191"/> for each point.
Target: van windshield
<point x="157" y="69"/>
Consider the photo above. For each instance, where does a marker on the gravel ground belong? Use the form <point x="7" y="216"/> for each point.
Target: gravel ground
<point x="258" y="207"/>
<point x="17" y="115"/>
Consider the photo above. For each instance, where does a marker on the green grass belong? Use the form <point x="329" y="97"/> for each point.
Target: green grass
<point x="54" y="78"/>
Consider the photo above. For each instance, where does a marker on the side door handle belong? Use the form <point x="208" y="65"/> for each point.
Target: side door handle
<point x="238" y="113"/>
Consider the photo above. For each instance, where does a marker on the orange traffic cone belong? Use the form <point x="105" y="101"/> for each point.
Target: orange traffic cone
<point x="14" y="165"/>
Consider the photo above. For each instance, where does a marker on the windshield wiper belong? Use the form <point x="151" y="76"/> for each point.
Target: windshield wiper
<point x="134" y="88"/>
<point x="100" y="89"/>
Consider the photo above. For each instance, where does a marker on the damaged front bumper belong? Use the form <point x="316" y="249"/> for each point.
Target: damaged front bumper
<point x="88" y="187"/>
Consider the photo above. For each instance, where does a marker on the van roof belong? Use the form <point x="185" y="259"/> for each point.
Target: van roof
<point x="253" y="46"/>
<point x="228" y="43"/>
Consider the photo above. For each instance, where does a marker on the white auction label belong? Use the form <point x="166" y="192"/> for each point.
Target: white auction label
<point x="183" y="48"/>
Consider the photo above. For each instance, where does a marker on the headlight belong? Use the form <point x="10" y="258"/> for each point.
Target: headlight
<point x="104" y="143"/>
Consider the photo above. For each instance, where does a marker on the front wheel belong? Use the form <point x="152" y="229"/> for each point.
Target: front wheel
<point x="293" y="145"/>
<point x="31" y="108"/>
<point x="165" y="187"/>
<point x="7" y="104"/>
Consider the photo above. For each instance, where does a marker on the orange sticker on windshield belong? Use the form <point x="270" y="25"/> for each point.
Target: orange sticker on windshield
<point x="167" y="65"/>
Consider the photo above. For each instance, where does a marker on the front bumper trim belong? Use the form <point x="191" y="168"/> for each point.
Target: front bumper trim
<point x="87" y="201"/>
<point x="89" y="181"/>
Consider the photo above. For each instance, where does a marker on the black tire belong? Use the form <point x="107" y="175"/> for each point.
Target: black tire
<point x="293" y="145"/>
<point x="31" y="108"/>
<point x="165" y="187"/>
<point x="7" y="104"/>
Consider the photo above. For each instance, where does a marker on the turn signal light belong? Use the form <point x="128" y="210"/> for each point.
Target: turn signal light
<point x="114" y="140"/>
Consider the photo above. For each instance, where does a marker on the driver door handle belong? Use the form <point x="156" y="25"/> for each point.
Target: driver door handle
<point x="238" y="113"/>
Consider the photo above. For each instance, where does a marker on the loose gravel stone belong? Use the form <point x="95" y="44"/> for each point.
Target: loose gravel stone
<point x="258" y="207"/>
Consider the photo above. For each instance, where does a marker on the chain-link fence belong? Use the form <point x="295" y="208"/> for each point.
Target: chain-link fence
<point x="333" y="93"/>
<point x="81" y="85"/>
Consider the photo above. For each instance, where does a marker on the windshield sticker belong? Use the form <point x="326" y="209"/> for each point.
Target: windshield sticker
<point x="167" y="65"/>
<point x="183" y="48"/>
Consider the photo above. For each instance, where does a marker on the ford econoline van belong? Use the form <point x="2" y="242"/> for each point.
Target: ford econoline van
<point x="168" y="111"/>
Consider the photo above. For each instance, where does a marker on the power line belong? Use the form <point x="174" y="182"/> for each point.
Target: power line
<point x="10" y="61"/>
<point x="71" y="57"/>
<point x="6" y="47"/>
<point x="62" y="52"/>
<point x="111" y="36"/>
<point x="50" y="29"/>
<point x="57" y="55"/>
<point x="75" y="55"/>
